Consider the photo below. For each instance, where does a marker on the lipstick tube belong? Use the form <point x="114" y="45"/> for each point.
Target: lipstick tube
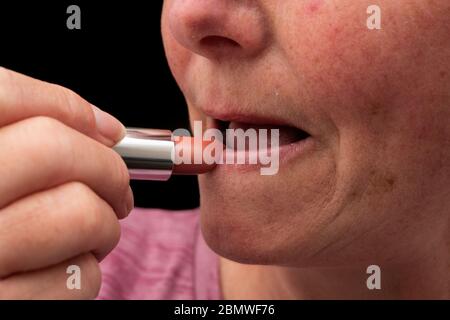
<point x="149" y="154"/>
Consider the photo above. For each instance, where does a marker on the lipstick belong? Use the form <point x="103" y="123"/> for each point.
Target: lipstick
<point x="150" y="154"/>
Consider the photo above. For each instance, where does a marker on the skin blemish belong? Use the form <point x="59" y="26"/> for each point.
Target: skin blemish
<point x="333" y="33"/>
<point x="381" y="182"/>
<point x="390" y="181"/>
<point x="313" y="6"/>
<point x="375" y="109"/>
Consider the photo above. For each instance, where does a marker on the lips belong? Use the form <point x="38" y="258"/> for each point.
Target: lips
<point x="265" y="157"/>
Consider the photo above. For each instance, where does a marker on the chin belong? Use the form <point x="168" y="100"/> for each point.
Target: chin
<point x="243" y="237"/>
<point x="250" y="235"/>
<point x="246" y="219"/>
<point x="237" y="243"/>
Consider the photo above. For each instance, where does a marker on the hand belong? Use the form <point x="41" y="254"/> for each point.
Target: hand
<point x="62" y="189"/>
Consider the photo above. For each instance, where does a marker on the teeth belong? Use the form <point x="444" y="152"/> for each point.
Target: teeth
<point x="287" y="135"/>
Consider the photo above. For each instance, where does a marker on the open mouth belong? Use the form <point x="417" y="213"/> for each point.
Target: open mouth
<point x="287" y="135"/>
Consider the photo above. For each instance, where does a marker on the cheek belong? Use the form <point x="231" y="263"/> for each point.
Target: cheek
<point x="381" y="88"/>
<point x="331" y="51"/>
<point x="368" y="82"/>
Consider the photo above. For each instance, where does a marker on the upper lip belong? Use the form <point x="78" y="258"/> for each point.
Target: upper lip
<point x="216" y="117"/>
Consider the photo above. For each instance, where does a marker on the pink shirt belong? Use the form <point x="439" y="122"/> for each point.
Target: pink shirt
<point x="161" y="255"/>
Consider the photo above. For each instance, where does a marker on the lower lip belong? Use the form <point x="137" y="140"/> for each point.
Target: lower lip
<point x="287" y="154"/>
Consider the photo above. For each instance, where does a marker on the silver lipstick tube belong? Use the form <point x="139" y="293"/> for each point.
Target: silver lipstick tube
<point x="148" y="153"/>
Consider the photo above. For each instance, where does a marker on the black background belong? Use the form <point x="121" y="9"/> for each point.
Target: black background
<point x="116" y="61"/>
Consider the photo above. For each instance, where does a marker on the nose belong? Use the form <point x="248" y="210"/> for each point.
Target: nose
<point x="219" y="29"/>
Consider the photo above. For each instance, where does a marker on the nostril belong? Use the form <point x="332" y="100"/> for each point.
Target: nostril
<point x="218" y="42"/>
<point x="219" y="30"/>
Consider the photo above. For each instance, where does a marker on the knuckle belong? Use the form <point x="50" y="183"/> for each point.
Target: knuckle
<point x="89" y="209"/>
<point x="76" y="107"/>
<point x="43" y="138"/>
<point x="93" y="216"/>
<point x="82" y="193"/>
<point x="44" y="124"/>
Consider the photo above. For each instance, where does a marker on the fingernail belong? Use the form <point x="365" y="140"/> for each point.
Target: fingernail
<point x="108" y="126"/>
<point x="130" y="201"/>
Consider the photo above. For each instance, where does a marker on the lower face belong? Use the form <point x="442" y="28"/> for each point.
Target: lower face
<point x="371" y="181"/>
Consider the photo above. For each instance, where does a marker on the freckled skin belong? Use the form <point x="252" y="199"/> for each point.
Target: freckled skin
<point x="377" y="102"/>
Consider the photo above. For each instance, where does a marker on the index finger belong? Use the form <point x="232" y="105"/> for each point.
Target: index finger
<point x="24" y="97"/>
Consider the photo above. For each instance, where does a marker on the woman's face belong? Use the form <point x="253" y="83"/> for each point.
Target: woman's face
<point x="372" y="182"/>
